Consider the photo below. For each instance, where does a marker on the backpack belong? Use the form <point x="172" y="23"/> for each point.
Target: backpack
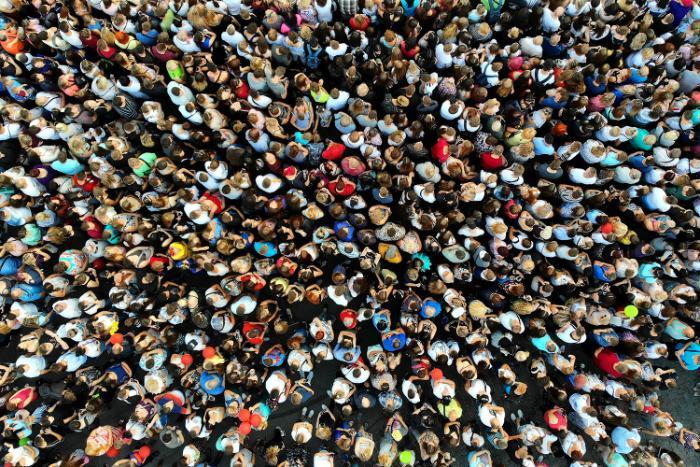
<point x="312" y="60"/>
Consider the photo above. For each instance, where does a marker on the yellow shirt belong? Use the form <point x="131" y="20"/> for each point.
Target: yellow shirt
<point x="321" y="96"/>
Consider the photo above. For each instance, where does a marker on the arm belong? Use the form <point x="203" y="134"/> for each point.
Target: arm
<point x="98" y="380"/>
<point x="153" y="421"/>
<point x="60" y="341"/>
<point x="6" y="371"/>
<point x="72" y="417"/>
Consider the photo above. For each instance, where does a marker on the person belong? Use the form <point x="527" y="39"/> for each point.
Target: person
<point x="625" y="440"/>
<point x="341" y="232"/>
<point x="689" y="355"/>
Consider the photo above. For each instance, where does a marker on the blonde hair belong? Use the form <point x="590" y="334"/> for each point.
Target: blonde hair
<point x="202" y="17"/>
<point x="450" y="32"/>
<point x="108" y="36"/>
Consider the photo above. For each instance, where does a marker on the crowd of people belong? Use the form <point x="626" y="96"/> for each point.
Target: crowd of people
<point x="416" y="212"/>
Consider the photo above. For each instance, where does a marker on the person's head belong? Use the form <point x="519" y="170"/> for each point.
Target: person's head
<point x="344" y="443"/>
<point x="228" y="449"/>
<point x="430" y="447"/>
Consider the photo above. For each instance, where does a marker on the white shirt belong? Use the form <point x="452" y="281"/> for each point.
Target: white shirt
<point x="339" y="102"/>
<point x="444" y="59"/>
<point x="363" y="375"/>
<point x="445" y="110"/>
<point x="486" y="416"/>
<point x="92" y="347"/>
<point x="478" y="387"/>
<point x="277" y="382"/>
<point x="71" y="308"/>
<point x="232" y="39"/>
<point x="233" y="6"/>
<point x="341" y="50"/>
<point x="185" y="96"/>
<point x="34" y="365"/>
<point x="324" y="13"/>
<point x="550" y="22"/>
<point x="406" y="386"/>
<point x="186" y="45"/>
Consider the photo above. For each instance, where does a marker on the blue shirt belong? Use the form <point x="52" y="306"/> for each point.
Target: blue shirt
<point x="621" y="437"/>
<point x="688" y="356"/>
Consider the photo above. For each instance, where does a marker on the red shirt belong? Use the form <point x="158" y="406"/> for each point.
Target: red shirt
<point x="409" y="53"/>
<point x="510" y="214"/>
<point x="90" y="42"/>
<point x="87" y="183"/>
<point x="94" y="228"/>
<point x="342" y="187"/>
<point x="607" y="228"/>
<point x="560" y="422"/>
<point x="334" y="151"/>
<point x="491" y="161"/>
<point x="109" y="53"/>
<point x="606" y="360"/>
<point x="359" y="25"/>
<point x="158" y="259"/>
<point x="164" y="56"/>
<point x="242" y="90"/>
<point x="256" y="337"/>
<point x="218" y="202"/>
<point x="441" y="150"/>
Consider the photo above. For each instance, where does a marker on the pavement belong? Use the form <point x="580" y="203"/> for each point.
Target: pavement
<point x="680" y="402"/>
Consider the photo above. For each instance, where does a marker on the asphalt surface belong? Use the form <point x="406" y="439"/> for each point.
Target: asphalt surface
<point x="680" y="402"/>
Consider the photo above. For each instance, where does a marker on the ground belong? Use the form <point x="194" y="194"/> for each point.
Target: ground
<point x="680" y="402"/>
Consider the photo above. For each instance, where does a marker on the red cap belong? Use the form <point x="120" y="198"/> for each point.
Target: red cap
<point x="99" y="264"/>
<point x="514" y="63"/>
<point x="290" y="172"/>
<point x="208" y="352"/>
<point x="187" y="359"/>
<point x="116" y="338"/>
<point x="560" y="129"/>
<point x="349" y="318"/>
<point x="436" y="374"/>
<point x="244" y="429"/>
<point x="244" y="415"/>
<point x="255" y="420"/>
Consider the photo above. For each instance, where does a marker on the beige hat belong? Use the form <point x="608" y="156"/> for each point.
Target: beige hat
<point x="362" y="90"/>
<point x="638" y="41"/>
<point x="401" y="101"/>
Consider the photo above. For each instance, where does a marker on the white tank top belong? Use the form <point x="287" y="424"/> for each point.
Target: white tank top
<point x="324" y="13"/>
